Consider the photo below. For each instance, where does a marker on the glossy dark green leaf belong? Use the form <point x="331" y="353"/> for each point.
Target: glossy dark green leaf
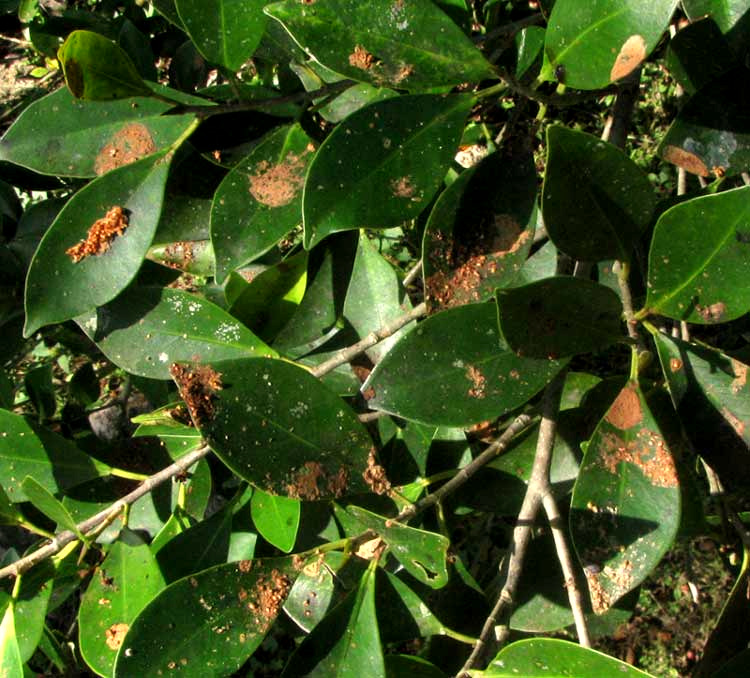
<point x="459" y="359"/>
<point x="279" y="428"/>
<point x="30" y="450"/>
<point x="481" y="230"/>
<point x="409" y="666"/>
<point x="120" y="588"/>
<point x="407" y="45"/>
<point x="345" y="641"/>
<point x="9" y="514"/>
<point x="276" y="518"/>
<point x="226" y="32"/>
<point x="596" y="201"/>
<point x="89" y="138"/>
<point x="529" y="45"/>
<point x="541" y="264"/>
<point x="699" y="263"/>
<point x="260" y="200"/>
<point x="39" y="387"/>
<point x="10" y="656"/>
<point x="625" y="510"/>
<point x="43" y="500"/>
<point x="590" y="44"/>
<point x="731" y="16"/>
<point x="710" y="392"/>
<point x="559" y="317"/>
<point x="354" y="98"/>
<point x="208" y="623"/>
<point x="98" y="69"/>
<point x="553" y="658"/>
<point x="313" y="592"/>
<point x="406" y="613"/>
<point x="383" y="164"/>
<point x="168" y="10"/>
<point x="423" y="554"/>
<point x="146" y="329"/>
<point x="375" y="296"/>
<point x="709" y="136"/>
<point x="57" y="288"/>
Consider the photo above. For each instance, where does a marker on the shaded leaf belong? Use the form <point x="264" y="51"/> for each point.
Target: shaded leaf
<point x="98" y="69"/>
<point x="146" y="329"/>
<point x="224" y="614"/>
<point x="409" y="666"/>
<point x="10" y="656"/>
<point x="459" y="358"/>
<point x="596" y="201"/>
<point x="276" y="518"/>
<point x="383" y="164"/>
<point x="731" y="16"/>
<point x="408" y="45"/>
<point x="45" y="501"/>
<point x="559" y="317"/>
<point x="699" y="263"/>
<point x="59" y="288"/>
<point x="625" y="510"/>
<point x="38" y="384"/>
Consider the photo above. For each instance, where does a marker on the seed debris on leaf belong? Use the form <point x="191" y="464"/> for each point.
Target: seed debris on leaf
<point x="100" y="235"/>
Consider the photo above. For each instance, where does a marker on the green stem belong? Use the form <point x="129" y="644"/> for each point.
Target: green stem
<point x="499" y="88"/>
<point x="191" y="128"/>
<point x="460" y="637"/>
<point x="128" y="475"/>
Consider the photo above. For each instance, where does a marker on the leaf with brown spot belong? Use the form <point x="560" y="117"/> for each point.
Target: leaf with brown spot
<point x="685" y="159"/>
<point x="631" y="56"/>
<point x="625" y="510"/>
<point x="131" y="143"/>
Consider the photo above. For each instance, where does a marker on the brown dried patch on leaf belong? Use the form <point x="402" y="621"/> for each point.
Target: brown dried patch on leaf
<point x="404" y="188"/>
<point x="198" y="385"/>
<point x="685" y="159"/>
<point x="718" y="171"/>
<point x="375" y="476"/>
<point x="478" y="382"/>
<point x="114" y="635"/>
<point x="371" y="549"/>
<point x="621" y="576"/>
<point x="740" y="376"/>
<point x="675" y="364"/>
<point x="631" y="55"/>
<point x="600" y="599"/>
<point x="278" y="185"/>
<point x="712" y="313"/>
<point x="309" y="482"/>
<point x="268" y="597"/>
<point x="626" y="412"/>
<point x="737" y="424"/>
<point x="179" y="254"/>
<point x="648" y="452"/>
<point x="361" y="58"/>
<point x="100" y="236"/>
<point x="245" y="566"/>
<point x="131" y="143"/>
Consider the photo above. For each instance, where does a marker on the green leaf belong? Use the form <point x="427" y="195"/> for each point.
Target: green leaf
<point x="481" y="230"/>
<point x="409" y="666"/>
<point x="710" y="392"/>
<point x="559" y="317"/>
<point x="699" y="263"/>
<point x="58" y="288"/>
<point x="30" y="450"/>
<point x="146" y="329"/>
<point x="276" y="519"/>
<point x="459" y="358"/>
<point x="88" y="138"/>
<point x="345" y="641"/>
<point x="730" y="15"/>
<point x="709" y="136"/>
<point x="408" y="45"/>
<point x="208" y="623"/>
<point x="423" y="554"/>
<point x="121" y="586"/>
<point x="625" y="510"/>
<point x="27" y="10"/>
<point x="97" y="69"/>
<point x="590" y="44"/>
<point x="46" y="502"/>
<point x="11" y="665"/>
<point x="383" y="164"/>
<point x="40" y="389"/>
<point x="260" y="200"/>
<point x="596" y="201"/>
<point x="279" y="428"/>
<point x="553" y="658"/>
<point x="9" y="514"/>
<point x="375" y="296"/>
<point x="226" y="32"/>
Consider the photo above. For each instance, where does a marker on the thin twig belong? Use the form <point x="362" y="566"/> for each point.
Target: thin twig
<point x="559" y="100"/>
<point x="64" y="538"/>
<point x="413" y="273"/>
<point x="345" y="355"/>
<point x="511" y="28"/>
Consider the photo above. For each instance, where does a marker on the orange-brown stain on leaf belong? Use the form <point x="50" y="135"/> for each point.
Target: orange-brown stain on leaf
<point x="675" y="364"/>
<point x="100" y="236"/>
<point x="361" y="58"/>
<point x="114" y="635"/>
<point x="626" y="412"/>
<point x="737" y="424"/>
<point x="131" y="143"/>
<point x="198" y="385"/>
<point x="712" y="313"/>
<point x="740" y="376"/>
<point x="631" y="55"/>
<point x="685" y="159"/>
<point x="478" y="382"/>
<point x="375" y="477"/>
<point x="312" y="481"/>
<point x="278" y="185"/>
<point x="268" y="596"/>
<point x="647" y="451"/>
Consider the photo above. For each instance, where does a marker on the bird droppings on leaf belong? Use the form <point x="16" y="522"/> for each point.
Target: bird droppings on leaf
<point x="100" y="236"/>
<point x="740" y="376"/>
<point x="375" y="476"/>
<point x="278" y="185"/>
<point x="361" y="58"/>
<point x="129" y="144"/>
<point x="685" y="159"/>
<point x="114" y="635"/>
<point x="198" y="385"/>
<point x="648" y="452"/>
<point x="268" y="597"/>
<point x="311" y="482"/>
<point x="478" y="382"/>
<point x="714" y="313"/>
<point x="626" y="411"/>
<point x="631" y="55"/>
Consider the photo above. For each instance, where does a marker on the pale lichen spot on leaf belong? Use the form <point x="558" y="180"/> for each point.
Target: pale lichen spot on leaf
<point x="403" y="187"/>
<point x="686" y="160"/>
<point x="631" y="55"/>
<point x="713" y="313"/>
<point x="131" y="143"/>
